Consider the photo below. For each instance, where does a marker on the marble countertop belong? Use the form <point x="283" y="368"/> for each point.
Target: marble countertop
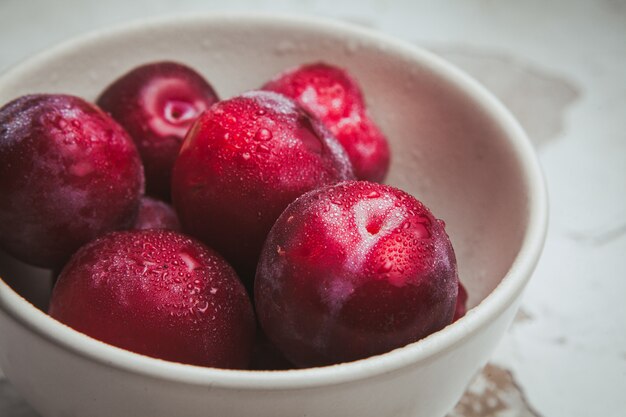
<point x="560" y="67"/>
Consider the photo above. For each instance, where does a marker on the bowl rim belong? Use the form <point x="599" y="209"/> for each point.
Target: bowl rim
<point x="22" y="312"/>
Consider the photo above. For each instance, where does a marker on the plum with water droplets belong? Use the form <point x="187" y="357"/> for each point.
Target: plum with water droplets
<point x="157" y="103"/>
<point x="334" y="96"/>
<point x="354" y="270"/>
<point x="242" y="163"/>
<point x="68" y="173"/>
<point x="158" y="293"/>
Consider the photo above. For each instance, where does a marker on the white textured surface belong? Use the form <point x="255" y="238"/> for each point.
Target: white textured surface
<point x="560" y="67"/>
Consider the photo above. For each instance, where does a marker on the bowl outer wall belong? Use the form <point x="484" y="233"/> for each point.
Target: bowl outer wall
<point x="47" y="361"/>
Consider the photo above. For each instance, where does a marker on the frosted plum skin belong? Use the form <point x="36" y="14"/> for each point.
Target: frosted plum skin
<point x="68" y="173"/>
<point x="461" y="303"/>
<point x="242" y="163"/>
<point x="158" y="293"/>
<point x="157" y="103"/>
<point x="156" y="214"/>
<point x="354" y="270"/>
<point x="332" y="95"/>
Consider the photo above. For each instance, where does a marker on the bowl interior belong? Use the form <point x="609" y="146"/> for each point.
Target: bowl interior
<point x="446" y="149"/>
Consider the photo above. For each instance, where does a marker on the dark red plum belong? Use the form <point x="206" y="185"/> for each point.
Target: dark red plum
<point x="354" y="270"/>
<point x="157" y="103"/>
<point x="461" y="303"/>
<point x="242" y="163"/>
<point x="158" y="293"/>
<point x="156" y="214"/>
<point x="334" y="96"/>
<point x="68" y="173"/>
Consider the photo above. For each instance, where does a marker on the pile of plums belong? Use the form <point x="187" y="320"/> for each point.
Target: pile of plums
<point x="282" y="248"/>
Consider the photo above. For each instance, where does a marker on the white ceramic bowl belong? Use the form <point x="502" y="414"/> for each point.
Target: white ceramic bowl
<point x="454" y="147"/>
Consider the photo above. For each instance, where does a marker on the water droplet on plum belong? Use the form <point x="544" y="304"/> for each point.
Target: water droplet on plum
<point x="263" y="134"/>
